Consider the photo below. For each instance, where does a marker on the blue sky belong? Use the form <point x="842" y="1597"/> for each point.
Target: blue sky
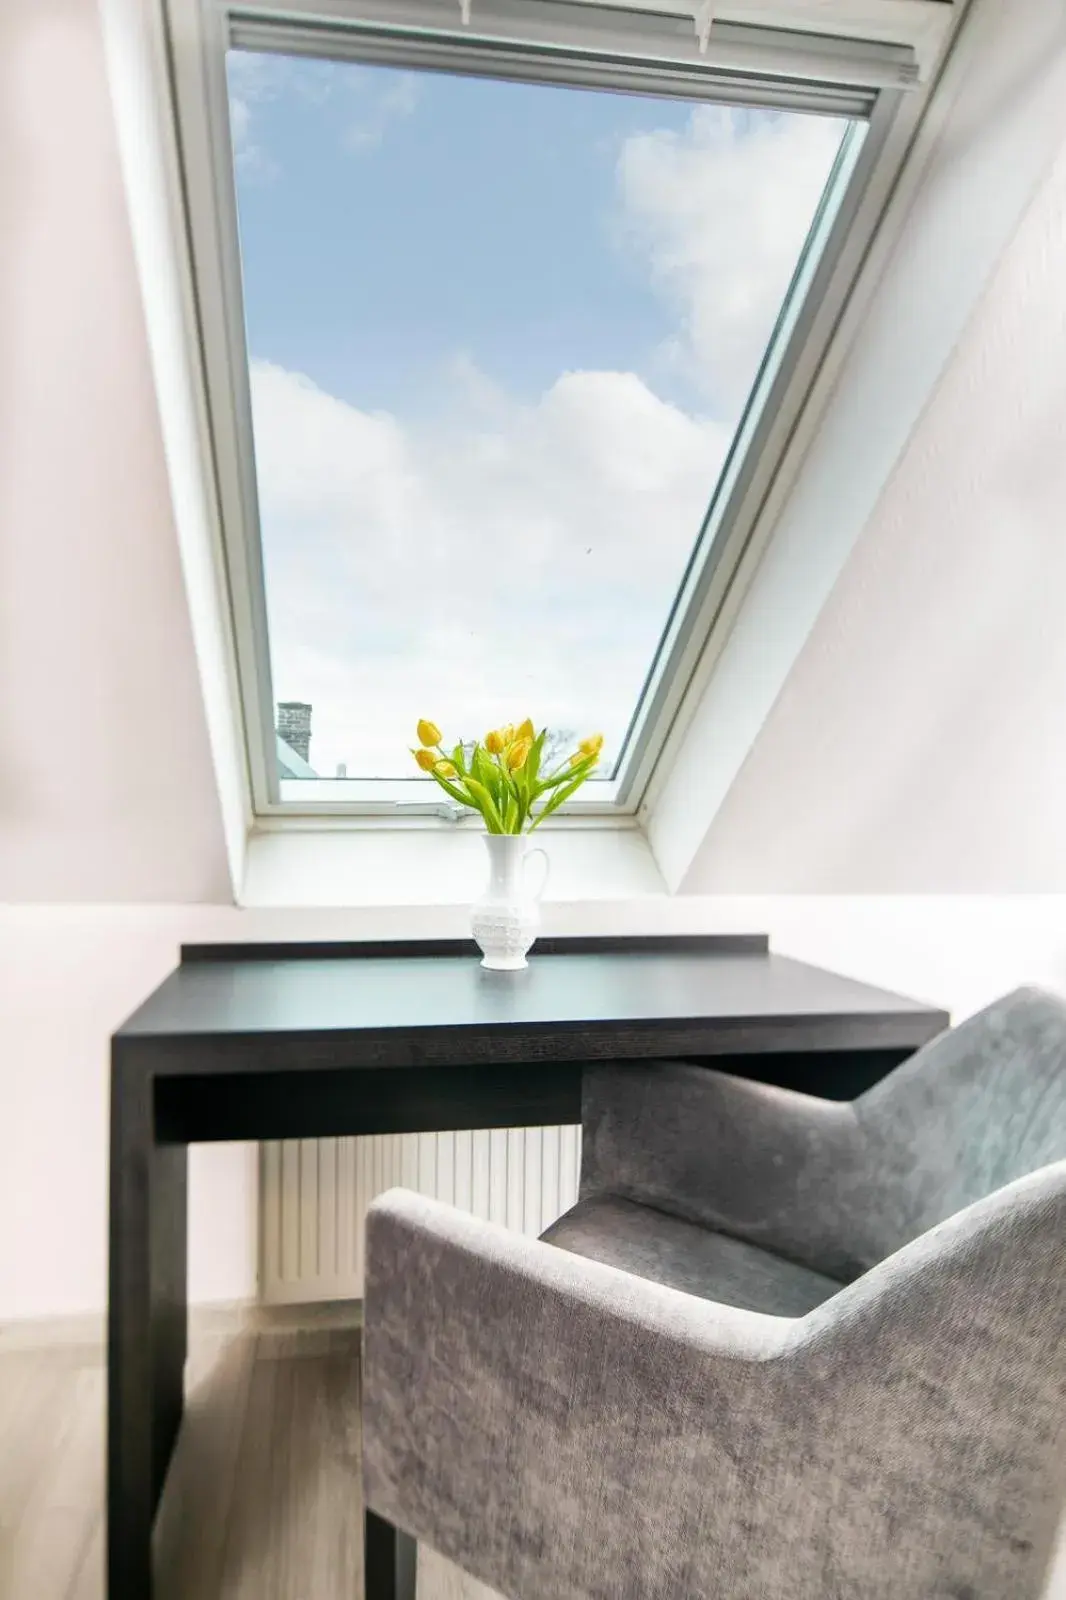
<point x="481" y="217"/>
<point x="500" y="337"/>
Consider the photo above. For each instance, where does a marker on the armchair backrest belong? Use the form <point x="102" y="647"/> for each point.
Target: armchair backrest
<point x="977" y="1108"/>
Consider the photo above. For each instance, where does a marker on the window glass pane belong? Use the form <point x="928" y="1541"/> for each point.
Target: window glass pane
<point x="501" y="337"/>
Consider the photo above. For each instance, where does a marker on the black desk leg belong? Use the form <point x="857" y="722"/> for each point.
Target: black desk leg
<point x="146" y="1325"/>
<point x="389" y="1557"/>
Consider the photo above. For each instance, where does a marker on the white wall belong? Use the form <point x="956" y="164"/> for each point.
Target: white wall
<point x="919" y="743"/>
<point x="69" y="975"/>
<point x="106" y="788"/>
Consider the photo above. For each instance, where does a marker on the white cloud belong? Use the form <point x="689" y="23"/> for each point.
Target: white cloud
<point x="486" y="566"/>
<point x="376" y="112"/>
<point x="249" y="157"/>
<point x="720" y="213"/>
<point x="359" y="103"/>
<point x="252" y="80"/>
<point x="240" y="118"/>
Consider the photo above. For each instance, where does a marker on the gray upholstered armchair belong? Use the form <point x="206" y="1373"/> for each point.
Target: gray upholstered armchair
<point x="788" y="1349"/>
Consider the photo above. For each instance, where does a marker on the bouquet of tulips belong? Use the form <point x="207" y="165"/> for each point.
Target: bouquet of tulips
<point x="501" y="776"/>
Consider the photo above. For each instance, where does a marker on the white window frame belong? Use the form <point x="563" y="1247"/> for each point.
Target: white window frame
<point x="662" y="47"/>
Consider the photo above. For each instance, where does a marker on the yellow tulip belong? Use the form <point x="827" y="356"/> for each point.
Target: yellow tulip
<point x="507" y="734"/>
<point x="427" y="759"/>
<point x="592" y="745"/>
<point x="445" y="769"/>
<point x="428" y="732"/>
<point x="576" y="758"/>
<point x="527" y="730"/>
<point x="516" y="755"/>
<point x="494" y="742"/>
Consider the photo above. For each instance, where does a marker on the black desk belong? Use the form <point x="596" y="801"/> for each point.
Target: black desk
<point x="276" y="1042"/>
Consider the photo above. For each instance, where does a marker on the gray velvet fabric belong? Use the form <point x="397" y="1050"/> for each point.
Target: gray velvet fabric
<point x="685" y="1256"/>
<point x="837" y="1187"/>
<point x="562" y="1427"/>
<point x="980" y="1106"/>
<point x="761" y="1164"/>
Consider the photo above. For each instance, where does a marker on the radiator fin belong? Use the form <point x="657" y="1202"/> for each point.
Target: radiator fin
<point x="315" y="1193"/>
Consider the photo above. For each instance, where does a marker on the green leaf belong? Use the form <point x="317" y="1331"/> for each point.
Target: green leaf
<point x="450" y="789"/>
<point x="487" y="773"/>
<point x="459" y="759"/>
<point x="486" y="805"/>
<point x="533" y="759"/>
<point x="580" y="768"/>
<point x="508" y="781"/>
<point x="559" y="798"/>
<point x="527" y="777"/>
<point x="525" y="797"/>
<point x="514" y="781"/>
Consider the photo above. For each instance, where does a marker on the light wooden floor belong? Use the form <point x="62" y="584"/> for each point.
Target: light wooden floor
<point x="262" y="1502"/>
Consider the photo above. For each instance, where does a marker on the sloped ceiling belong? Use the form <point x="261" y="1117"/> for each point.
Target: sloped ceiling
<point x="106" y="786"/>
<point x="919" y="744"/>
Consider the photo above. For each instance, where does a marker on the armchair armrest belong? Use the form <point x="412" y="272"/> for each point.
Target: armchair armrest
<point x="537" y="1417"/>
<point x="560" y="1428"/>
<point x="763" y="1164"/>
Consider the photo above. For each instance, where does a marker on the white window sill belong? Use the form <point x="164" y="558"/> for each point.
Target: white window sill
<point x="331" y="867"/>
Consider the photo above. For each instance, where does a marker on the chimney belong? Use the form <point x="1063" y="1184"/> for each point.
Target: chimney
<point x="294" y="726"/>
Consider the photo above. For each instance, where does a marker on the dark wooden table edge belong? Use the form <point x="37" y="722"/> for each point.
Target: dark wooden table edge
<point x="496" y="1043"/>
<point x="726" y="944"/>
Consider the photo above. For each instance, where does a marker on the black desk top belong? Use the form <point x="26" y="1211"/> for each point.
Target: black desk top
<point x="409" y="989"/>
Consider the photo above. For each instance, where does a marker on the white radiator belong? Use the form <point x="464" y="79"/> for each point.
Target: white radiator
<point x="314" y="1194"/>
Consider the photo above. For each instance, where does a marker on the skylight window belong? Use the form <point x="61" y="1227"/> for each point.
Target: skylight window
<point x="501" y="336"/>
<point x="509" y="317"/>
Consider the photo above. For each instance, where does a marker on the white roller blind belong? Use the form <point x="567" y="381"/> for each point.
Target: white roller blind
<point x="698" y="35"/>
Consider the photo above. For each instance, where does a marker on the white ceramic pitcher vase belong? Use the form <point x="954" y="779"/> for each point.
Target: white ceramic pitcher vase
<point x="505" y="920"/>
